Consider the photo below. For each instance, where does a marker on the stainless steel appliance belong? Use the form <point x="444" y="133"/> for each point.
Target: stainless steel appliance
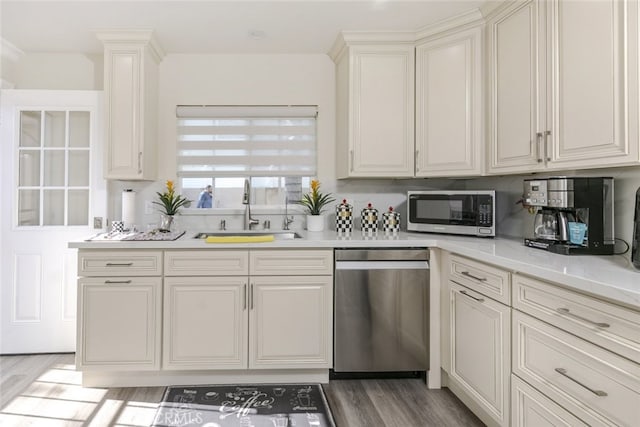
<point x="565" y="206"/>
<point x="381" y="310"/>
<point x="635" y="251"/>
<point x="452" y="212"/>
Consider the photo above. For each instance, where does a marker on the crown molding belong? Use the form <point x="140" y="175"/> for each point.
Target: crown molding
<point x="137" y="36"/>
<point x="355" y="38"/>
<point x="10" y="52"/>
<point x="462" y="21"/>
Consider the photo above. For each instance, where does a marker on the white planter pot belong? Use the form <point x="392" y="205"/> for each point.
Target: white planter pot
<point x="315" y="222"/>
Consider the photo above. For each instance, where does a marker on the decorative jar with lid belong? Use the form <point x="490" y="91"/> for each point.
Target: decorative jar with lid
<point x="369" y="218"/>
<point x="344" y="217"/>
<point x="391" y="221"/>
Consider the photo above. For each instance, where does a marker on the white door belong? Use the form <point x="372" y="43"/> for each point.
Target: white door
<point x="298" y="336"/>
<point x="382" y="94"/>
<point x="192" y="306"/>
<point x="448" y="105"/>
<point x="515" y="51"/>
<point x="480" y="350"/>
<point x="51" y="189"/>
<point x="588" y="113"/>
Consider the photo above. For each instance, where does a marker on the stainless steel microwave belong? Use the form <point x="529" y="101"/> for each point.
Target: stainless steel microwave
<point x="453" y="212"/>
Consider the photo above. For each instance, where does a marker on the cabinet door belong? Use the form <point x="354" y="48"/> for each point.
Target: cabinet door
<point x="205" y="323"/>
<point x="131" y="86"/>
<point x="381" y="111"/>
<point x="480" y="350"/>
<point x="119" y="323"/>
<point x="515" y="46"/>
<point x="448" y="105"/>
<point x="291" y="322"/>
<point x="588" y="112"/>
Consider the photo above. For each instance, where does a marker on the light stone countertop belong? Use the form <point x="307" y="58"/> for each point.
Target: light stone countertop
<point x="609" y="277"/>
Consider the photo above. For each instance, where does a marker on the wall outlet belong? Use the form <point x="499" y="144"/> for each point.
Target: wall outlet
<point x="97" y="222"/>
<point x="148" y="207"/>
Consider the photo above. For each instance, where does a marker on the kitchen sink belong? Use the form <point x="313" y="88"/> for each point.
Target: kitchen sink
<point x="278" y="235"/>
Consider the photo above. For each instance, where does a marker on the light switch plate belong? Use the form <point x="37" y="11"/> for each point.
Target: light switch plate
<point x="148" y="207"/>
<point x="97" y="222"/>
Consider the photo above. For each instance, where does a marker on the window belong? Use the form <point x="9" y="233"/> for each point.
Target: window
<point x="53" y="168"/>
<point x="221" y="146"/>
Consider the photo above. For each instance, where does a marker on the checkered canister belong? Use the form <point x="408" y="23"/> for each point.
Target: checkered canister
<point x="369" y="218"/>
<point x="391" y="221"/>
<point x="344" y="217"/>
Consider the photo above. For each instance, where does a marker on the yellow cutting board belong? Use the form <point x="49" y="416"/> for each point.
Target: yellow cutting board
<point x="240" y="239"/>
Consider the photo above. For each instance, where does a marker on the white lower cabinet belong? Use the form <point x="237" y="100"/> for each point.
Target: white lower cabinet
<point x="290" y="322"/>
<point x="530" y="408"/>
<point x="597" y="386"/>
<point x="251" y="316"/>
<point x="480" y="354"/>
<point x="205" y="323"/>
<point x="558" y="358"/>
<point x="119" y="323"/>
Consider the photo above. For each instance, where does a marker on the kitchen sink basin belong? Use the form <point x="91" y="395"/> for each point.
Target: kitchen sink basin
<point x="277" y="235"/>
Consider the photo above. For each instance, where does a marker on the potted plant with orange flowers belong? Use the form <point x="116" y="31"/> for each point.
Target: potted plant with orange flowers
<point x="170" y="202"/>
<point x="314" y="202"/>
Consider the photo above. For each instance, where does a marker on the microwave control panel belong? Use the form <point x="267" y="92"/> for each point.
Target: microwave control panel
<point x="485" y="211"/>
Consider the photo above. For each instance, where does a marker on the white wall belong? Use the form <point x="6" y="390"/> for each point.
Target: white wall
<point x="64" y="71"/>
<point x="192" y="79"/>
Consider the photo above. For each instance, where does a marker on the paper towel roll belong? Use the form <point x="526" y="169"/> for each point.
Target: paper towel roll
<point x="128" y="208"/>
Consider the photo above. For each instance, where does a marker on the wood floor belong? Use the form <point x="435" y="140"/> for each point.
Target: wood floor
<point x="45" y="390"/>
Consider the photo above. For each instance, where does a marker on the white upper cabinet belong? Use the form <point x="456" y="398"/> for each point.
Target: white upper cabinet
<point x="375" y="110"/>
<point x="131" y="61"/>
<point x="449" y="105"/>
<point x="562" y="85"/>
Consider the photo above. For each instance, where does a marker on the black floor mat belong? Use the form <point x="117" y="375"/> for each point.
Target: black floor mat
<point x="272" y="405"/>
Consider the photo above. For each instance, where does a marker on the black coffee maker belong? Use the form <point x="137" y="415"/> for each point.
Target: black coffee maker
<point x="635" y="252"/>
<point x="573" y="216"/>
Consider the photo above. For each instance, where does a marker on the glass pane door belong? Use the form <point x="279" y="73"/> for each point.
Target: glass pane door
<point x="54" y="168"/>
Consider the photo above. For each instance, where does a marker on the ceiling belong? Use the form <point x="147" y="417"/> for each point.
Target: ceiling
<point x="214" y="26"/>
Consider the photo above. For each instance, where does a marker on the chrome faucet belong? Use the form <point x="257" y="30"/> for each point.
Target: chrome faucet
<point x="287" y="220"/>
<point x="246" y="200"/>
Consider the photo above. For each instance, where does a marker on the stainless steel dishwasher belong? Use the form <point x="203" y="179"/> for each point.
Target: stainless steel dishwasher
<point x="381" y="310"/>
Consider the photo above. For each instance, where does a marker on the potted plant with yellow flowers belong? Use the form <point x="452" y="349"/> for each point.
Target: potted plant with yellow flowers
<point x="314" y="202"/>
<point x="170" y="202"/>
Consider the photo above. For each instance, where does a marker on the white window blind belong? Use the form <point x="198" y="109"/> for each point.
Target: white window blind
<point x="241" y="141"/>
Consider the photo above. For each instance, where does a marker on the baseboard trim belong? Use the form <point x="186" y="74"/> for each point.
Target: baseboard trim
<point x="154" y="379"/>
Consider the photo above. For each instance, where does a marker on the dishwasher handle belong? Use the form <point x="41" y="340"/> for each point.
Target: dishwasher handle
<point x="382" y="265"/>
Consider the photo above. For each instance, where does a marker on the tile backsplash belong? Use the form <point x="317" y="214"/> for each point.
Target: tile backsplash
<point x="382" y="193"/>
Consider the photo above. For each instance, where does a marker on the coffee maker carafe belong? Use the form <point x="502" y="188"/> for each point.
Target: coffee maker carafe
<point x="552" y="225"/>
<point x="572" y="215"/>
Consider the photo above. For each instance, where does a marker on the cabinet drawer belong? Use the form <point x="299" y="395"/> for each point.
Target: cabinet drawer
<point x="206" y="263"/>
<point x="119" y="263"/>
<point x="490" y="281"/>
<point x="291" y="263"/>
<point x="530" y="408"/>
<point x="595" y="385"/>
<point x="611" y="326"/>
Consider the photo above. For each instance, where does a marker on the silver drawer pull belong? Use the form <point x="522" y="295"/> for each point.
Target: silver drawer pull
<point x="119" y="264"/>
<point x="471" y="296"/>
<point x="244" y="296"/>
<point x="111" y="282"/>
<point x="563" y="372"/>
<point x="566" y="312"/>
<point x="466" y="273"/>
